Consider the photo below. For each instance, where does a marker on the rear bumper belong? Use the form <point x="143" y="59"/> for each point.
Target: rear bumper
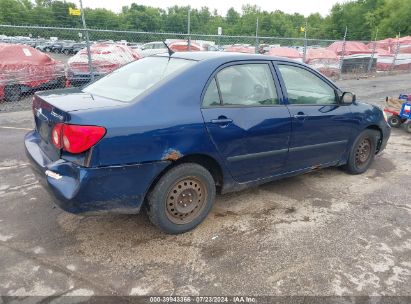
<point x="114" y="189"/>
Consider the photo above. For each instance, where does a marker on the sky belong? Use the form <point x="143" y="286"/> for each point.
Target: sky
<point x="304" y="7"/>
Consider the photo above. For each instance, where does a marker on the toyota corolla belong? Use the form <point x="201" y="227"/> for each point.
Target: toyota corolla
<point x="170" y="131"/>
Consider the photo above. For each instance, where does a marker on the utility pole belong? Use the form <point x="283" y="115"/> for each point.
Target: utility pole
<point x="396" y="52"/>
<point x="90" y="64"/>
<point x="188" y="29"/>
<point x="373" y="52"/>
<point x="256" y="37"/>
<point x="343" y="51"/>
<point x="305" y="42"/>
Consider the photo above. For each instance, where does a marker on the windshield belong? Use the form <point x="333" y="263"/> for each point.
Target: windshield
<point x="131" y="80"/>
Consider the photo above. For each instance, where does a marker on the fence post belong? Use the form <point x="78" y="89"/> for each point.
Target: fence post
<point x="373" y="53"/>
<point x="397" y="50"/>
<point x="256" y="37"/>
<point x="90" y="64"/>
<point x="188" y="29"/>
<point x="343" y="51"/>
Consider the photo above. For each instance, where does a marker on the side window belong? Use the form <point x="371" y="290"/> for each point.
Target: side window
<point x="247" y="85"/>
<point x="211" y="97"/>
<point x="303" y="87"/>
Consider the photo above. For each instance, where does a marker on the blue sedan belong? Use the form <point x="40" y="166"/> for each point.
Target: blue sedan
<point x="170" y="131"/>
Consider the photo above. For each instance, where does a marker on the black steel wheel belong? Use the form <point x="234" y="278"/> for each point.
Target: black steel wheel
<point x="362" y="152"/>
<point x="185" y="200"/>
<point x="181" y="199"/>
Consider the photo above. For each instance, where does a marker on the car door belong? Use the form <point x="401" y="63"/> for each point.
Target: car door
<point x="321" y="126"/>
<point x="246" y="121"/>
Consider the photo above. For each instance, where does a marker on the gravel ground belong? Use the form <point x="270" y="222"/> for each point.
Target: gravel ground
<point x="323" y="233"/>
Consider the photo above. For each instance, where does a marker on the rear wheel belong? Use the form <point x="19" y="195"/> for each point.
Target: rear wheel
<point x="12" y="93"/>
<point x="362" y="152"/>
<point x="394" y="121"/>
<point x="61" y="82"/>
<point x="182" y="198"/>
<point x="407" y="126"/>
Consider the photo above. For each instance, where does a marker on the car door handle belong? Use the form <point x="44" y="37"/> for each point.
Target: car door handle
<point x="300" y="115"/>
<point x="222" y="120"/>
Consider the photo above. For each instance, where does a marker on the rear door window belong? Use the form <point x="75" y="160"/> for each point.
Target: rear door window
<point x="247" y="85"/>
<point x="211" y="97"/>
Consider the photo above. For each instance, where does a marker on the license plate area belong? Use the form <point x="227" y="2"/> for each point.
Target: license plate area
<point x="44" y="128"/>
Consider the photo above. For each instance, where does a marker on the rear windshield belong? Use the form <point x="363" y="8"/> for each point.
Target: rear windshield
<point x="131" y="80"/>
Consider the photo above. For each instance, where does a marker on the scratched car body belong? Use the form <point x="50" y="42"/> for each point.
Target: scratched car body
<point x="170" y="131"/>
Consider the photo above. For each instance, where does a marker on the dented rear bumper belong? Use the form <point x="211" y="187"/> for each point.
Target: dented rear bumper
<point x="77" y="189"/>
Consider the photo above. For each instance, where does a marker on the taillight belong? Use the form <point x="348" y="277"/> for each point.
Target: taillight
<point x="57" y="135"/>
<point x="76" y="138"/>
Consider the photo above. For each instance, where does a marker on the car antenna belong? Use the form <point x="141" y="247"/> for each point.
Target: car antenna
<point x="170" y="51"/>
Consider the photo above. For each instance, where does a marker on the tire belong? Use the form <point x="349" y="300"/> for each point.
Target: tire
<point x="362" y="152"/>
<point x="61" y="82"/>
<point x="12" y="93"/>
<point x="181" y="199"/>
<point x="394" y="121"/>
<point x="407" y="126"/>
<point x="67" y="52"/>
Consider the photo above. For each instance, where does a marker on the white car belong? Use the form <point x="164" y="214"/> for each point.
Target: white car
<point x="152" y="48"/>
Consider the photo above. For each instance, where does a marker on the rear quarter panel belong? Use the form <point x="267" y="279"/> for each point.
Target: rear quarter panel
<point x="164" y="123"/>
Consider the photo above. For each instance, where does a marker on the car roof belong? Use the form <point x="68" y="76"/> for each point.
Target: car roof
<point x="222" y="56"/>
<point x="219" y="58"/>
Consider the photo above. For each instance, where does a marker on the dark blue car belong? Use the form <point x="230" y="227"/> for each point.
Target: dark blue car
<point x="169" y="131"/>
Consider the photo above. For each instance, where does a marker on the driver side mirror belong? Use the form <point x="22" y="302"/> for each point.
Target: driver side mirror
<point x="347" y="98"/>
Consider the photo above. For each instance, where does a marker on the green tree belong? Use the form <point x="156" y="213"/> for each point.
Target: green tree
<point x="396" y="18"/>
<point x="362" y="17"/>
<point x="13" y="12"/>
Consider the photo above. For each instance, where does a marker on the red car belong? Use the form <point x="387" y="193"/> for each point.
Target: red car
<point x="285" y="52"/>
<point x="105" y="58"/>
<point x="182" y="46"/>
<point x="25" y="69"/>
<point x="240" y="49"/>
<point x="324" y="61"/>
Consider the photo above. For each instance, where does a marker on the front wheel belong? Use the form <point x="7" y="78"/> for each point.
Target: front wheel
<point x="182" y="198"/>
<point x="362" y="152"/>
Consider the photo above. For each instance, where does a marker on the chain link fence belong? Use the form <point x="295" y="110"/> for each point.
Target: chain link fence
<point x="38" y="58"/>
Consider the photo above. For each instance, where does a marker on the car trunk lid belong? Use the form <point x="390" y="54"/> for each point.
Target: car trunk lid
<point x="51" y="108"/>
